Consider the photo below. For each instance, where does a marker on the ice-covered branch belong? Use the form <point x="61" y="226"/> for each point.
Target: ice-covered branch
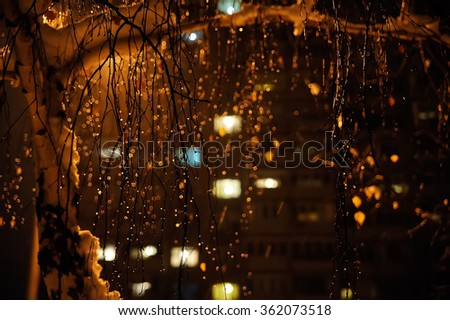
<point x="297" y="14"/>
<point x="408" y="26"/>
<point x="62" y="49"/>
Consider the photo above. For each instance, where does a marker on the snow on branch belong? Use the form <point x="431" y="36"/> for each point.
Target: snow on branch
<point x="296" y="14"/>
<point x="61" y="48"/>
<point x="407" y="26"/>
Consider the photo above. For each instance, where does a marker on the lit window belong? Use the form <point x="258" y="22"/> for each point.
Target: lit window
<point x="427" y="115"/>
<point x="145" y="252"/>
<point x="186" y="257"/>
<point x="229" y="6"/>
<point x="267" y="183"/>
<point x="346" y="293"/>
<point x="311" y="216"/>
<point x="225" y="291"/>
<point x="108" y="253"/>
<point x="227" y="124"/>
<point x="227" y="188"/>
<point x="188" y="157"/>
<point x="149" y="251"/>
<point x="139" y="289"/>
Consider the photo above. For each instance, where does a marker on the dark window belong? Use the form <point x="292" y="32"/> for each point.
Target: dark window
<point x="261" y="249"/>
<point x="282" y="248"/>
<point x="251" y="248"/>
<point x="366" y="254"/>
<point x="309" y="285"/>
